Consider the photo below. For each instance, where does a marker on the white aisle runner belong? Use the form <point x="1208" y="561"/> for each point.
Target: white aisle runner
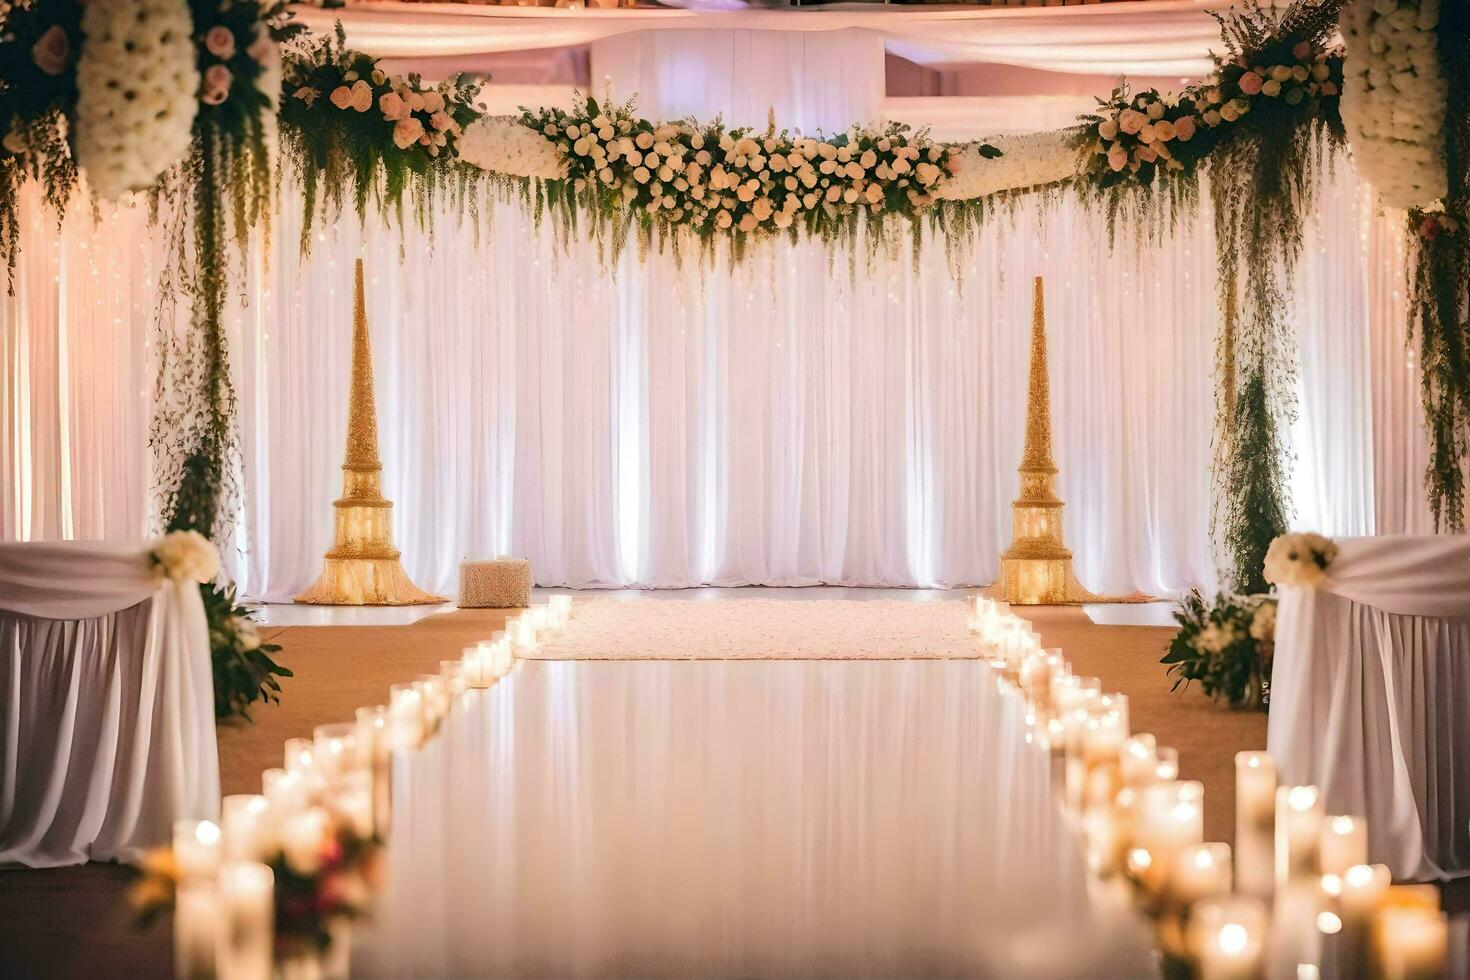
<point x="736" y="819"/>
<point x="637" y="628"/>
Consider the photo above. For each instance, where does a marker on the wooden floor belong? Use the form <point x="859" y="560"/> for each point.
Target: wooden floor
<point x="70" y="922"/>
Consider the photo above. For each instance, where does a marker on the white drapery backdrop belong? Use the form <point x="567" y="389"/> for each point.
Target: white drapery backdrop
<point x="782" y="422"/>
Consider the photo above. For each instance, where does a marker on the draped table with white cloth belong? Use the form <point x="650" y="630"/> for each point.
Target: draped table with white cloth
<point x="1370" y="696"/>
<point x="106" y="704"/>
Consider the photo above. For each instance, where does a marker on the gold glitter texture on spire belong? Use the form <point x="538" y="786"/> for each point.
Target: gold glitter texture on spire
<point x="1037" y="568"/>
<point x="362" y="567"/>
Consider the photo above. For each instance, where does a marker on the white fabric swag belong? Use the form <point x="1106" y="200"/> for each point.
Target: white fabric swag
<point x="106" y="704"/>
<point x="1370" y="697"/>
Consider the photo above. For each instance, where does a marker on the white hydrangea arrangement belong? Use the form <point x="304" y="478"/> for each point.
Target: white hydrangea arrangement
<point x="1299" y="560"/>
<point x="505" y="145"/>
<point x="138" y="86"/>
<point x="1024" y="160"/>
<point x="185" y="556"/>
<point x="1393" y="102"/>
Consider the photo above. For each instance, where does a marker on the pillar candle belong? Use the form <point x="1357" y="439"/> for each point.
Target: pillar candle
<point x="405" y="717"/>
<point x="1344" y="844"/>
<point x="196" y="848"/>
<point x="246" y="894"/>
<point x="476" y="666"/>
<point x="351" y="800"/>
<point x="334" y="748"/>
<point x="1255" y="823"/>
<point x="454" y="679"/>
<point x="246" y="831"/>
<point x="1228" y="937"/>
<point x="1413" y="944"/>
<point x="1139" y="760"/>
<point x="197" y="929"/>
<point x="375" y="720"/>
<point x="1171" y="818"/>
<point x="299" y="754"/>
<point x="286" y="792"/>
<point x="1200" y="871"/>
<point x="1299" y="819"/>
<point x="1167" y="768"/>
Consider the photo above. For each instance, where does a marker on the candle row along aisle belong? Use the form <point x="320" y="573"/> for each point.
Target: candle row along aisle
<point x="1297" y="900"/>
<point x="271" y="891"/>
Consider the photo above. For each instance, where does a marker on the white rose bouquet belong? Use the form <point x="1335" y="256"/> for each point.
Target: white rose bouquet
<point x="1299" y="560"/>
<point x="185" y="556"/>
<point x="137" y="85"/>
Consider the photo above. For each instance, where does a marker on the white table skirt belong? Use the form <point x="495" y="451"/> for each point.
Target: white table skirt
<point x="1370" y="697"/>
<point x="107" y="721"/>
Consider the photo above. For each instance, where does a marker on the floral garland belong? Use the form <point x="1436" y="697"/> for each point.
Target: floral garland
<point x="38" y="88"/>
<point x="686" y="178"/>
<point x="1137" y="137"/>
<point x="350" y="125"/>
<point x="133" y="125"/>
<point x="1394" y="103"/>
<point x="1227" y="647"/>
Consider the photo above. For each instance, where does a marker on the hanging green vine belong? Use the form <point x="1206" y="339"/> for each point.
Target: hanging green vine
<point x="1439" y="289"/>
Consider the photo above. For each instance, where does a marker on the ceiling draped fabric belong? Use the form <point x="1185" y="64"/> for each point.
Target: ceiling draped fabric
<point x="1151" y="37"/>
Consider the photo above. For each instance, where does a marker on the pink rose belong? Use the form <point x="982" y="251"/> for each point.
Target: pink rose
<point x="1250" y="83"/>
<point x="433" y="102"/>
<point x="1117" y="157"/>
<point x="1302" y="50"/>
<point x="341" y="97"/>
<point x="1184" y="128"/>
<point x="1131" y="121"/>
<point x="219" y="41"/>
<point x="441" y="121"/>
<point x="1147" y="154"/>
<point x="415" y="101"/>
<point x="393" y="107"/>
<point x="52" y="50"/>
<point x="1328" y="88"/>
<point x="217" y="82"/>
<point x="406" y="132"/>
<point x="362" y="96"/>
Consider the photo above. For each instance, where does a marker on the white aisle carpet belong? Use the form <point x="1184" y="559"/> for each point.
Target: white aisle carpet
<point x="762" y="629"/>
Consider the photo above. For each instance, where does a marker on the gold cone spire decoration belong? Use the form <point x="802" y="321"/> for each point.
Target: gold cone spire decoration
<point x="362" y="567"/>
<point x="1037" y="568"/>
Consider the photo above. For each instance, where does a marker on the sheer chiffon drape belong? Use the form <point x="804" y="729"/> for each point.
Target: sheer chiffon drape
<point x="808" y="416"/>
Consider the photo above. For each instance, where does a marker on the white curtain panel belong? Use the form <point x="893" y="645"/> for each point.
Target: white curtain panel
<point x="106" y="705"/>
<point x="787" y="421"/>
<point x="1369" y="695"/>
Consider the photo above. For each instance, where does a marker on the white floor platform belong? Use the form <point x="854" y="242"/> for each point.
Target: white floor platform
<point x="1131" y="614"/>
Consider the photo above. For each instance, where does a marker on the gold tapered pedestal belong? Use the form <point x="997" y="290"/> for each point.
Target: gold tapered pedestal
<point x="362" y="568"/>
<point x="1036" y="570"/>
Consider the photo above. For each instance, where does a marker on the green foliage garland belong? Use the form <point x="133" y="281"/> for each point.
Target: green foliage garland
<point x="1226" y="647"/>
<point x="1439" y="289"/>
